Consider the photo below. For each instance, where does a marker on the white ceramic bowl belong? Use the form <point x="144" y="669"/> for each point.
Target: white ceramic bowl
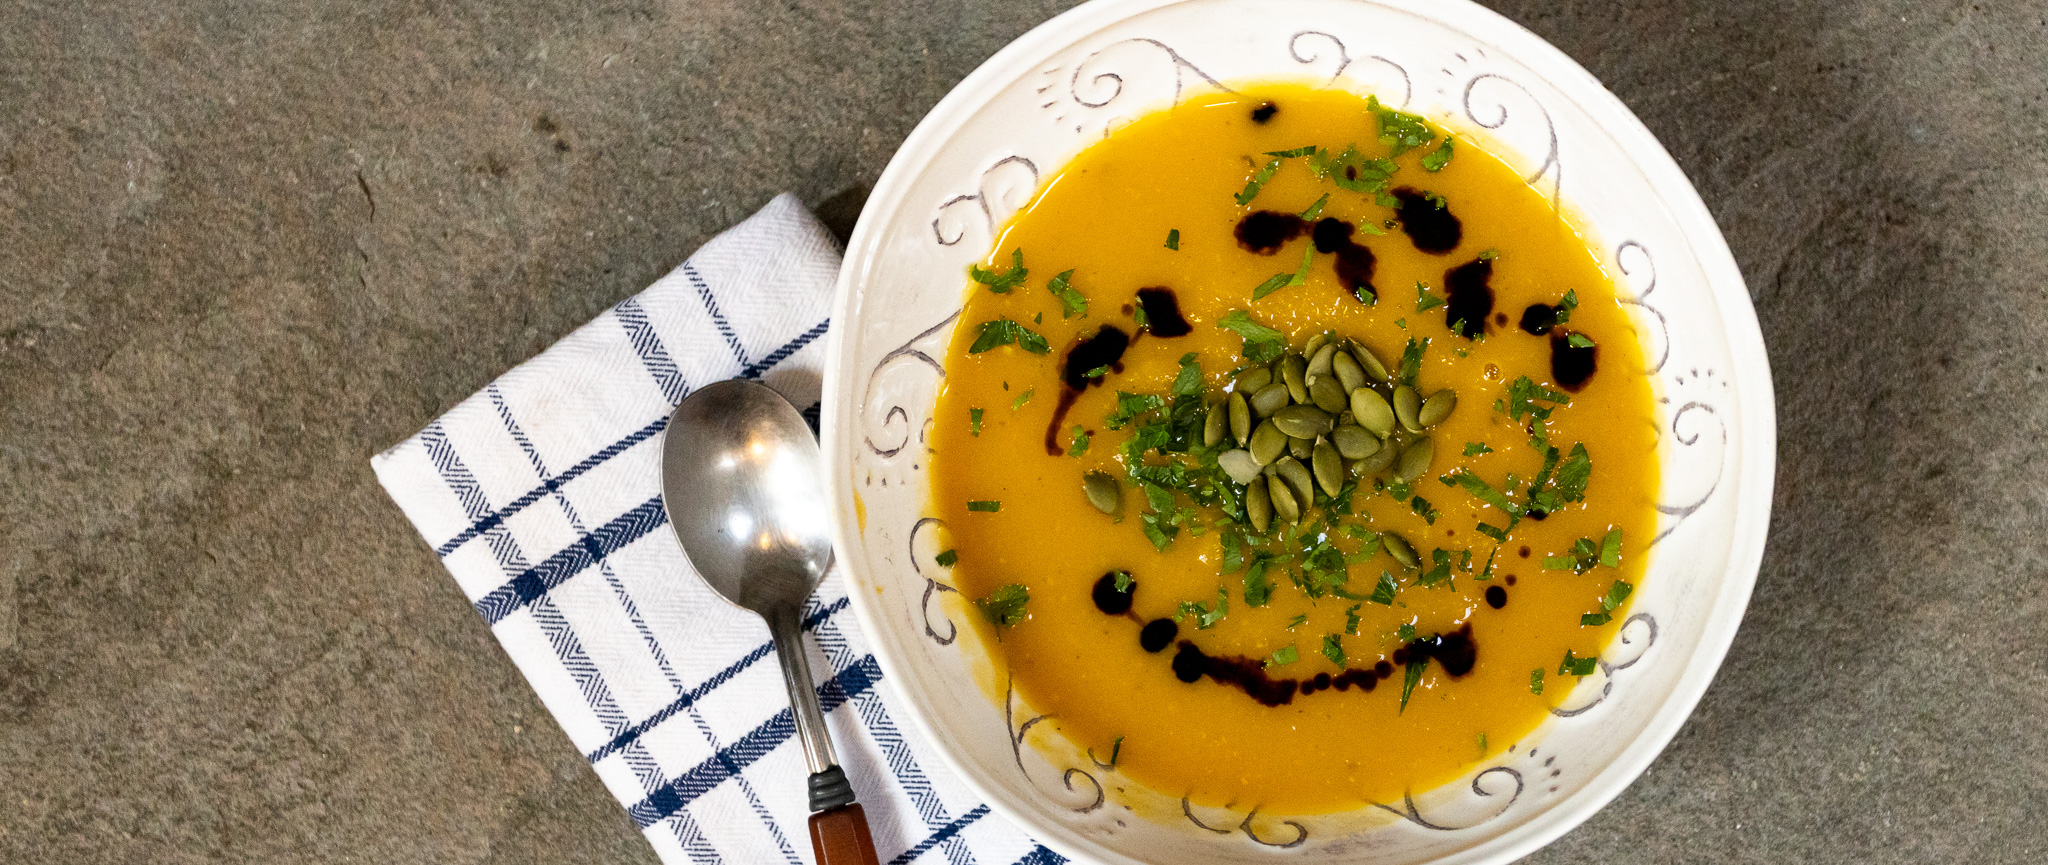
<point x="981" y="153"/>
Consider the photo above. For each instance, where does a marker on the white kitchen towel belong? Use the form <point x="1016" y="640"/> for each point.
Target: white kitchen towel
<point x="542" y="496"/>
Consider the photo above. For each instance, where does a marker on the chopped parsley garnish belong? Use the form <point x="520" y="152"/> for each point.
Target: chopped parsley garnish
<point x="1435" y="160"/>
<point x="1536" y="681"/>
<point x="1001" y="283"/>
<point x="1616" y="595"/>
<point x="1473" y="449"/>
<point x="1251" y="187"/>
<point x="1382" y="594"/>
<point x="1003" y="331"/>
<point x="1565" y="307"/>
<point x="1522" y="398"/>
<point x="1189" y="381"/>
<point x="1424" y="301"/>
<point x="1022" y="398"/>
<point x="947" y="558"/>
<point x="1579" y="340"/>
<point x="1351" y="619"/>
<point x="1333" y="648"/>
<point x="1258" y="588"/>
<point x="987" y="507"/>
<point x="1406" y="632"/>
<point x="1399" y="130"/>
<point x="1573" y="474"/>
<point x="1072" y="302"/>
<point x="1315" y="210"/>
<point x="1116" y="748"/>
<point x="1080" y="445"/>
<point x="1482" y="743"/>
<point x="1285" y="655"/>
<point x="1560" y="563"/>
<point x="1290" y="154"/>
<point x="1097" y="372"/>
<point x="1577" y="666"/>
<point x="1422" y="508"/>
<point x="1261" y="343"/>
<point x="1489" y="254"/>
<point x="974" y="422"/>
<point x="1206" y="614"/>
<point x="1173" y="239"/>
<point x="1004" y="607"/>
<point x="1483" y="491"/>
<point x="1308" y="254"/>
<point x="1272" y="284"/>
<point x="1123" y="581"/>
<point x="1411" y="360"/>
<point x="1610" y="549"/>
<point x="1131" y="405"/>
<point x="1416" y="663"/>
<point x="1436" y="199"/>
<point x="1592" y="620"/>
<point x="1297" y="621"/>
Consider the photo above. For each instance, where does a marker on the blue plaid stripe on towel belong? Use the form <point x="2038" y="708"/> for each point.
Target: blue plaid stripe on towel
<point x="542" y="496"/>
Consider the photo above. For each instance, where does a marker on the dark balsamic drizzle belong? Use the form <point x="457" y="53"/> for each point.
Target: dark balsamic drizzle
<point x="1263" y="231"/>
<point x="1355" y="262"/>
<point x="1105" y="348"/>
<point x="1111" y="601"/>
<point x="1468" y="297"/>
<point x="1264" y="112"/>
<point x="1455" y="651"/>
<point x="1162" y="312"/>
<point x="1157" y="635"/>
<point x="1538" y="319"/>
<point x="1571" y="365"/>
<point x="1496" y="597"/>
<point x="1431" y="228"/>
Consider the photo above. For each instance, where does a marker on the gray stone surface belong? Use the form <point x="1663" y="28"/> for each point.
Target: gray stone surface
<point x="243" y="246"/>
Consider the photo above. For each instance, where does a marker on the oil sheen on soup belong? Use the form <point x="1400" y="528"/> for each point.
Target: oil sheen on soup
<point x="1293" y="451"/>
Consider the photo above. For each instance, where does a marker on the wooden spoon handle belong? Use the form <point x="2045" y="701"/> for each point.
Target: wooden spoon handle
<point x="840" y="837"/>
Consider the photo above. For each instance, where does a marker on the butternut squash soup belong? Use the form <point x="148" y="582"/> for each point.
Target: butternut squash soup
<point x="1295" y="451"/>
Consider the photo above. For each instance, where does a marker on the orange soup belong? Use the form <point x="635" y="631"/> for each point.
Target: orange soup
<point x="1296" y="453"/>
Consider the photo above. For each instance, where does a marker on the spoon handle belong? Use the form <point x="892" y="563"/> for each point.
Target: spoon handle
<point x="840" y="837"/>
<point x="787" y="631"/>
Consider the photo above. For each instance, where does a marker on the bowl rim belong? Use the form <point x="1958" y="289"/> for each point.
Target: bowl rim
<point x="1755" y="457"/>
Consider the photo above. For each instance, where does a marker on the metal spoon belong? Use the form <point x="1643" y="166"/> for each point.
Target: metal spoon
<point x="742" y="482"/>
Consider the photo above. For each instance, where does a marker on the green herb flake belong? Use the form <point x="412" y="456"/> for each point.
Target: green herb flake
<point x="974" y="422"/>
<point x="1290" y="154"/>
<point x="1003" y="331"/>
<point x="1022" y="398"/>
<point x="1333" y="648"/>
<point x="1001" y="283"/>
<point x="1438" y="200"/>
<point x="1536" y="681"/>
<point x="1115" y="749"/>
<point x="1483" y="491"/>
<point x="1383" y="592"/>
<point x="1258" y="588"/>
<point x="1206" y="615"/>
<point x="1261" y="343"/>
<point x="1610" y="549"/>
<point x="1594" y="620"/>
<point x="1416" y="663"/>
<point x="1560" y="563"/>
<point x="1435" y="160"/>
<point x="1411" y="360"/>
<point x="1473" y="449"/>
<point x="1272" y="284"/>
<point x="1399" y="130"/>
<point x="986" y="507"/>
<point x="1577" y="666"/>
<point x="1308" y="255"/>
<point x="1189" y="381"/>
<point x="1251" y="187"/>
<point x="1315" y="210"/>
<point x="1080" y="445"/>
<point x="1423" y="509"/>
<point x="1579" y="340"/>
<point x="1573" y="474"/>
<point x="1406" y="632"/>
<point x="947" y="558"/>
<point x="1073" y="303"/>
<point x="1489" y="254"/>
<point x="1351" y="619"/>
<point x="1297" y="621"/>
<point x="1173" y="239"/>
<point x="1617" y="594"/>
<point x="1004" y="607"/>
<point x="1565" y="307"/>
<point x="1284" y="656"/>
<point x="1424" y="301"/>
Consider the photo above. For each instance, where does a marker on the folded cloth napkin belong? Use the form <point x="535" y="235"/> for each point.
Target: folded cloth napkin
<point x="542" y="496"/>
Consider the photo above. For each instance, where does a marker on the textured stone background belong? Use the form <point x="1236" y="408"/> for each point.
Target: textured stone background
<point x="245" y="245"/>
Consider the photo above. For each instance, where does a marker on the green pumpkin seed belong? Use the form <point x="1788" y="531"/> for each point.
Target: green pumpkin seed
<point x="1353" y="442"/>
<point x="1372" y="411"/>
<point x="1299" y="480"/>
<point x="1377" y="461"/>
<point x="1258" y="505"/>
<point x="1302" y="421"/>
<point x="1315" y="344"/>
<point x="1437" y="407"/>
<point x="1319" y="359"/>
<point x="1213" y="423"/>
<point x="1239" y="465"/>
<point x="1329" y="467"/>
<point x="1400" y="549"/>
<point x="1294" y="374"/>
<point x="1327" y="394"/>
<point x="1240" y="419"/>
<point x="1249" y="381"/>
<point x="1371" y="363"/>
<point x="1269" y="399"/>
<point x="1349" y="374"/>
<point x="1300" y="448"/>
<point x="1284" y="504"/>
<point x="1267" y="443"/>
<point x="1406" y="404"/>
<point x="1103" y="491"/>
<point x="1414" y="461"/>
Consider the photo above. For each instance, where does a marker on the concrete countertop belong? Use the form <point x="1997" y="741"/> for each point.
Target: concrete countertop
<point x="243" y="246"/>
